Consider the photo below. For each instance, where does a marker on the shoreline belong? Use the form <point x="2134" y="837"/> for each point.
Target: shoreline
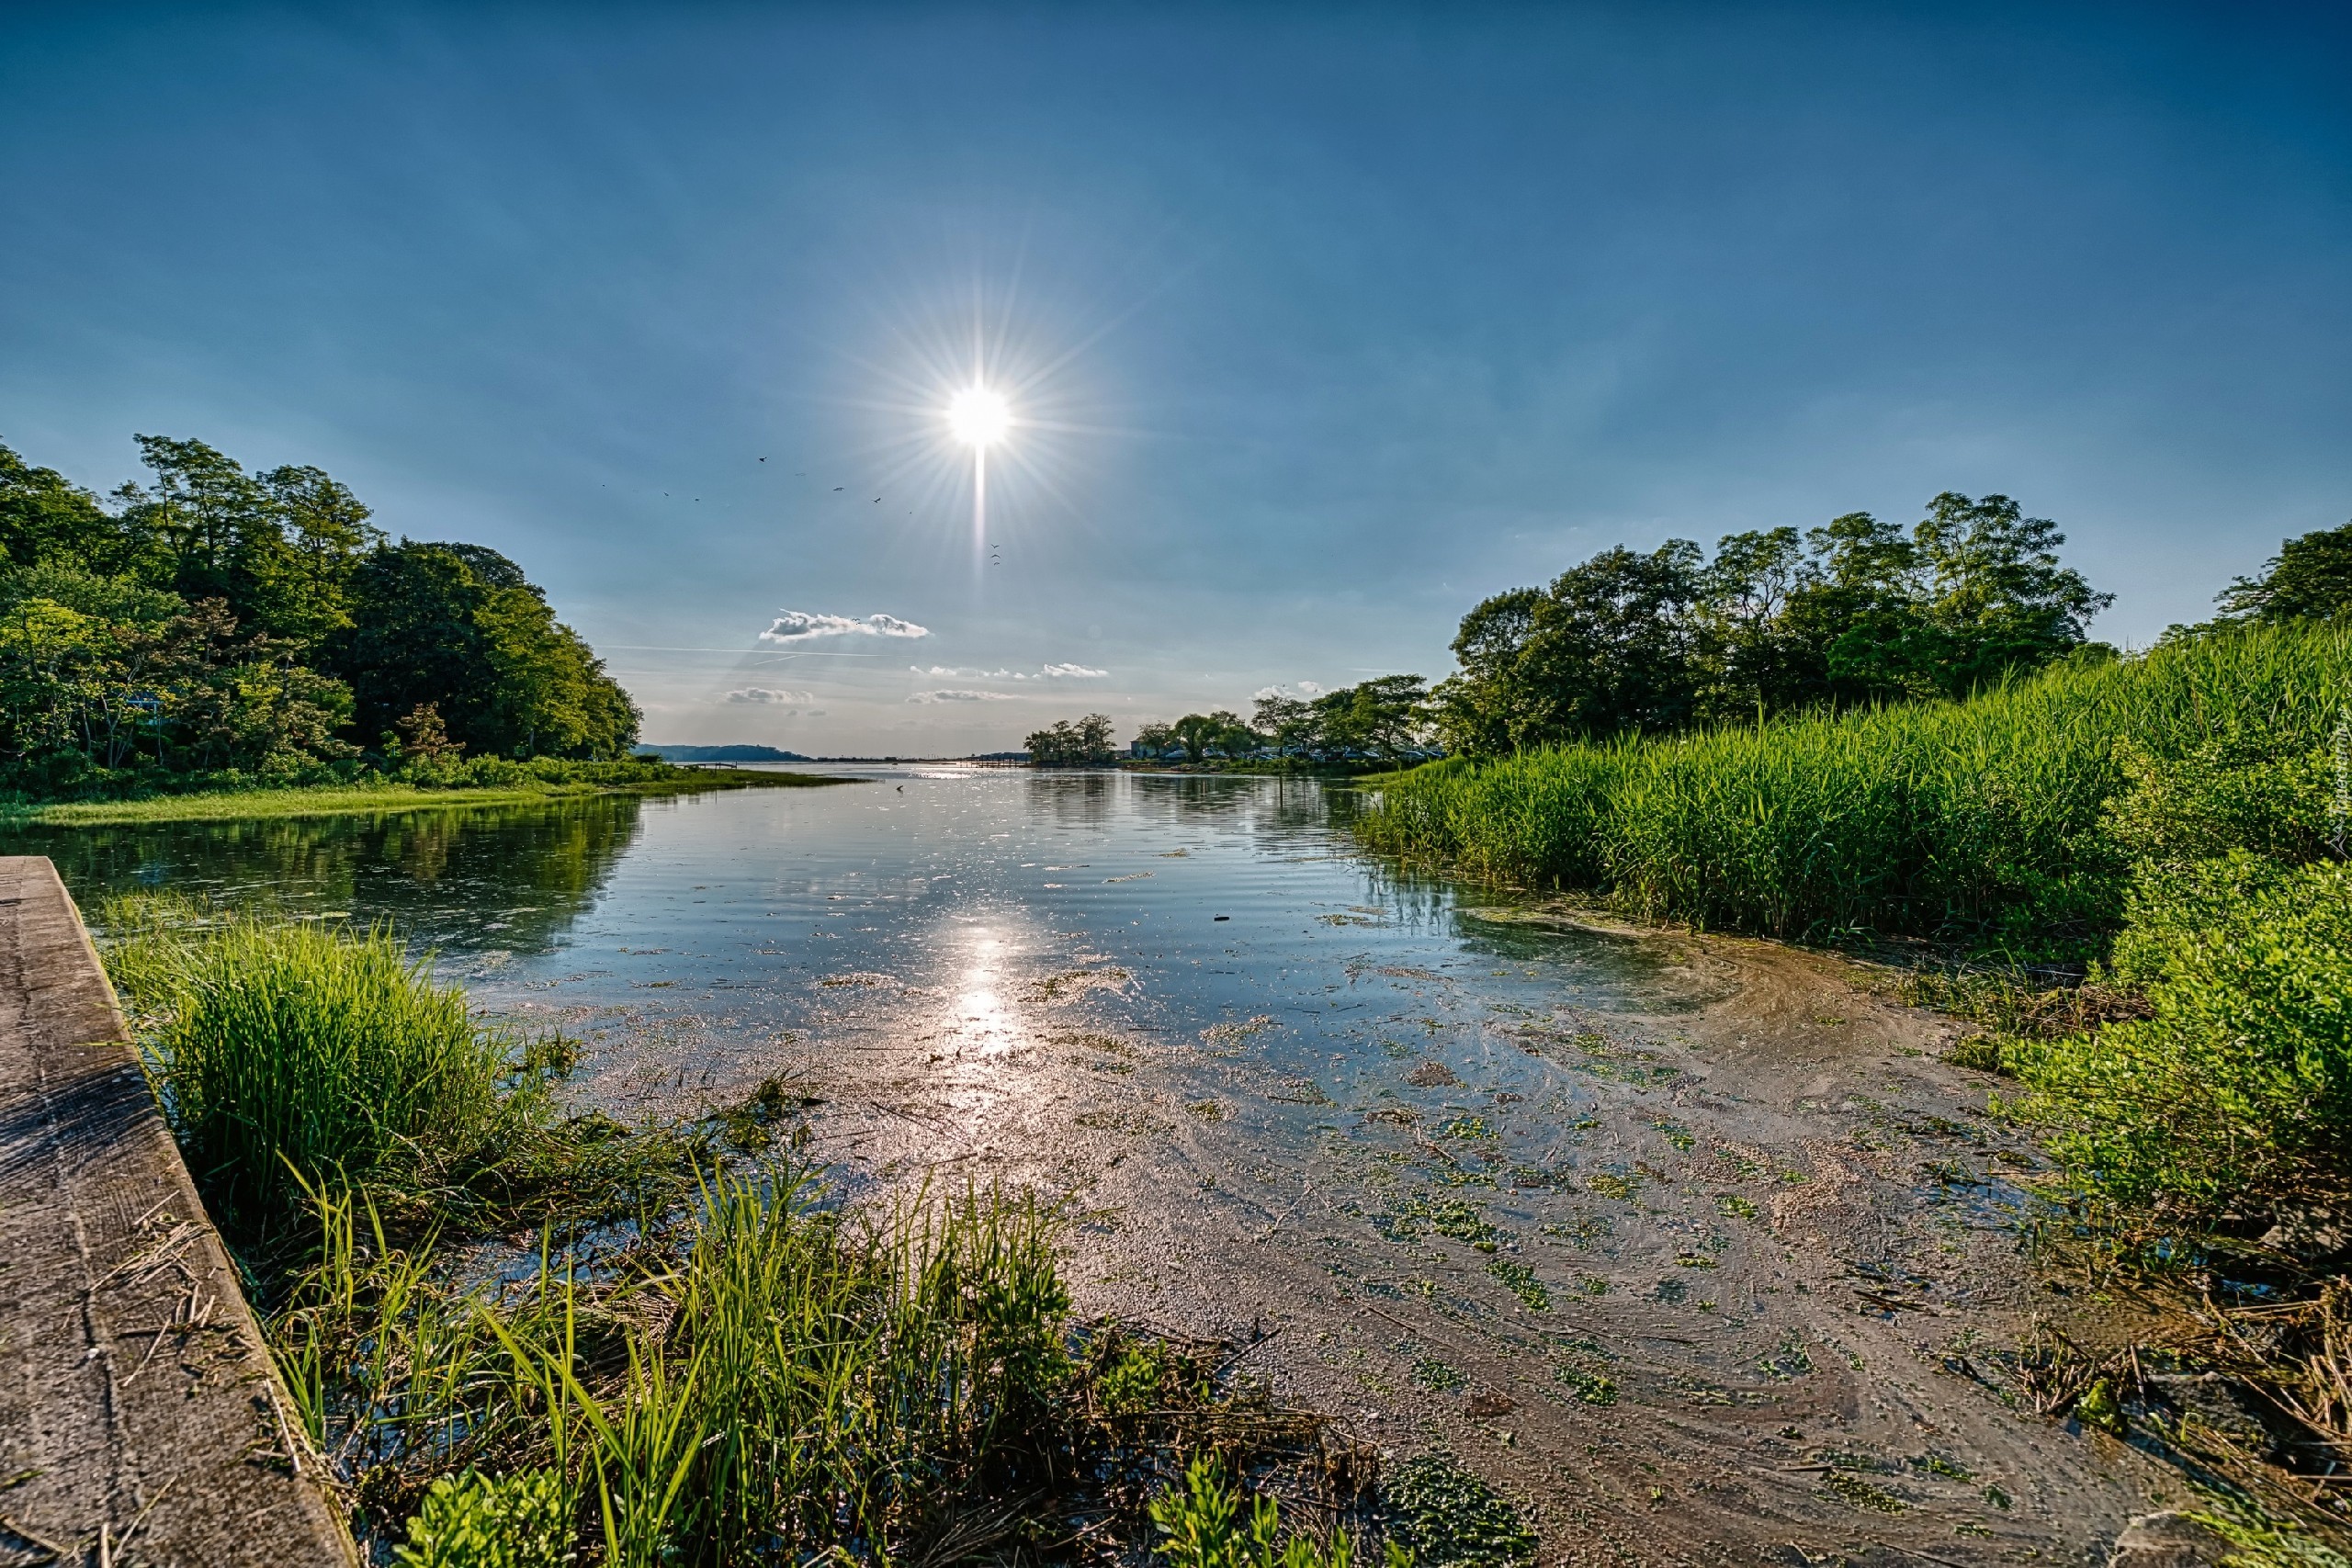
<point x="345" y="800"/>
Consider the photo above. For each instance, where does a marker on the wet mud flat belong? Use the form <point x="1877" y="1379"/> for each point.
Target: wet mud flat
<point x="1709" y="1258"/>
<point x="1691" y="1244"/>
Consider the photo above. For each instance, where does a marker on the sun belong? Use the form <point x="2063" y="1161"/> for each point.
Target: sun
<point x="978" y="416"/>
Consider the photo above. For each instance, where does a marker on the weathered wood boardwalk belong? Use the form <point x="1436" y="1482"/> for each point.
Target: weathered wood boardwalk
<point x="140" y="1419"/>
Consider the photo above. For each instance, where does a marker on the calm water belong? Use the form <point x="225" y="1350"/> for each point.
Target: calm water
<point x="974" y="904"/>
<point x="1590" y="1209"/>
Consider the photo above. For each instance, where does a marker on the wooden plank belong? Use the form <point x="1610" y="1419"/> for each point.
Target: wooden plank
<point x="141" y="1420"/>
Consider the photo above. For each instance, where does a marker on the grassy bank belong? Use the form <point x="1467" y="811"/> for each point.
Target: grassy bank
<point x="699" y="1357"/>
<point x="372" y="795"/>
<point x="2013" y="818"/>
<point x="2166" y="823"/>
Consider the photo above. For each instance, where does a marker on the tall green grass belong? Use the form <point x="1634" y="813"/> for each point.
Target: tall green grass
<point x="763" y="1380"/>
<point x="293" y="1058"/>
<point x="295" y="1054"/>
<point x="1983" y="818"/>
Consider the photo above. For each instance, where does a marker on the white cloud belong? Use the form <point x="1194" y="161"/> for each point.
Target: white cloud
<point x="1298" y="690"/>
<point x="951" y="697"/>
<point x="798" y="626"/>
<point x="769" y="694"/>
<point x="1048" y="673"/>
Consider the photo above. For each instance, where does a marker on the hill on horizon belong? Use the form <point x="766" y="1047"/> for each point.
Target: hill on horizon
<point x="720" y="754"/>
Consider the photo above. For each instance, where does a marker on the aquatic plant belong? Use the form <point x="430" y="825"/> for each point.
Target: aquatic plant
<point x="292" y="1058"/>
<point x="1208" y="1523"/>
<point x="291" y="1053"/>
<point x="764" y="1378"/>
<point x="2014" y="816"/>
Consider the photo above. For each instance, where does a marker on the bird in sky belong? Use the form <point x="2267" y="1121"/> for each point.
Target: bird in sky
<point x="763" y="459"/>
<point x="837" y="487"/>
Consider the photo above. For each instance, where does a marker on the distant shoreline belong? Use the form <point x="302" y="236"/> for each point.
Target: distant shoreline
<point x="345" y="800"/>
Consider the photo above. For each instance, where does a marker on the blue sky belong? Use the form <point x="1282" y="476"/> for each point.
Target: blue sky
<point x="1322" y="324"/>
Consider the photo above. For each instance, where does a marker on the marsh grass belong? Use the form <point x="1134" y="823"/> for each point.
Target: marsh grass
<point x="696" y="1363"/>
<point x="2010" y="822"/>
<point x="292" y="1058"/>
<point x="764" y="1378"/>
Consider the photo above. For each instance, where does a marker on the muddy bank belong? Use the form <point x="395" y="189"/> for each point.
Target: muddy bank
<point x="1710" y="1262"/>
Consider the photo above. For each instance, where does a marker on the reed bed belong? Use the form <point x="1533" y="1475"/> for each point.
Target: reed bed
<point x="1986" y="820"/>
<point x="760" y="1379"/>
<point x="699" y="1363"/>
<point x="292" y="1058"/>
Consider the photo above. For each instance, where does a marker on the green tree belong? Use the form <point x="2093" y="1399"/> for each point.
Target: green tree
<point x="215" y="618"/>
<point x="1608" y="646"/>
<point x="1290" y="724"/>
<point x="457" y="626"/>
<point x="47" y="520"/>
<point x="1385" y="717"/>
<point x="1222" y="731"/>
<point x="1858" y="610"/>
<point x="1996" y="597"/>
<point x="2311" y="575"/>
<point x="1085" y="743"/>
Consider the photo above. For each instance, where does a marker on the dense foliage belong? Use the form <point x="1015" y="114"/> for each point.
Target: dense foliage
<point x="1064" y="744"/>
<point x="2017" y="815"/>
<point x="2178" y="817"/>
<point x="1386" y="718"/>
<point x="1854" y="612"/>
<point x="2235" y="1093"/>
<point x="215" y="621"/>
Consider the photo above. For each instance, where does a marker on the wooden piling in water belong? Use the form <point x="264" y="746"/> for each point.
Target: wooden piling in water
<point x="141" y="1420"/>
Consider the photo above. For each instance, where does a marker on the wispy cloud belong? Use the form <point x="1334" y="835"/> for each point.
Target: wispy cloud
<point x="800" y="625"/>
<point x="955" y="696"/>
<point x="768" y="695"/>
<point x="1298" y="690"/>
<point x="1046" y="673"/>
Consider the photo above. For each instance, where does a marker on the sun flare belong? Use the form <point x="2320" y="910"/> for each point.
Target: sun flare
<point x="978" y="417"/>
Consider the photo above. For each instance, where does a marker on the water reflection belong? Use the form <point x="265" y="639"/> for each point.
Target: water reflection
<point x="507" y="876"/>
<point x="1422" y="1124"/>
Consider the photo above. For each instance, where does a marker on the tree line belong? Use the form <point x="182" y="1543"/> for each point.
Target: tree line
<point x="1385" y="719"/>
<point x="1856" y="613"/>
<point x="212" y="619"/>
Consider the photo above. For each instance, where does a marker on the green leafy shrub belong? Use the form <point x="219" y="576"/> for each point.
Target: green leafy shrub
<point x="2237" y="1091"/>
<point x="2237" y="791"/>
<point x="1204" y="1524"/>
<point x="480" y="1522"/>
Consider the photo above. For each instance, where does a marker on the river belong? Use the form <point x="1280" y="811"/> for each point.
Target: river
<point x="1693" y="1242"/>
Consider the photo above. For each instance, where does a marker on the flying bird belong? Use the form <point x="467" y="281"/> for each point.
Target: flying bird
<point x="837" y="487"/>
